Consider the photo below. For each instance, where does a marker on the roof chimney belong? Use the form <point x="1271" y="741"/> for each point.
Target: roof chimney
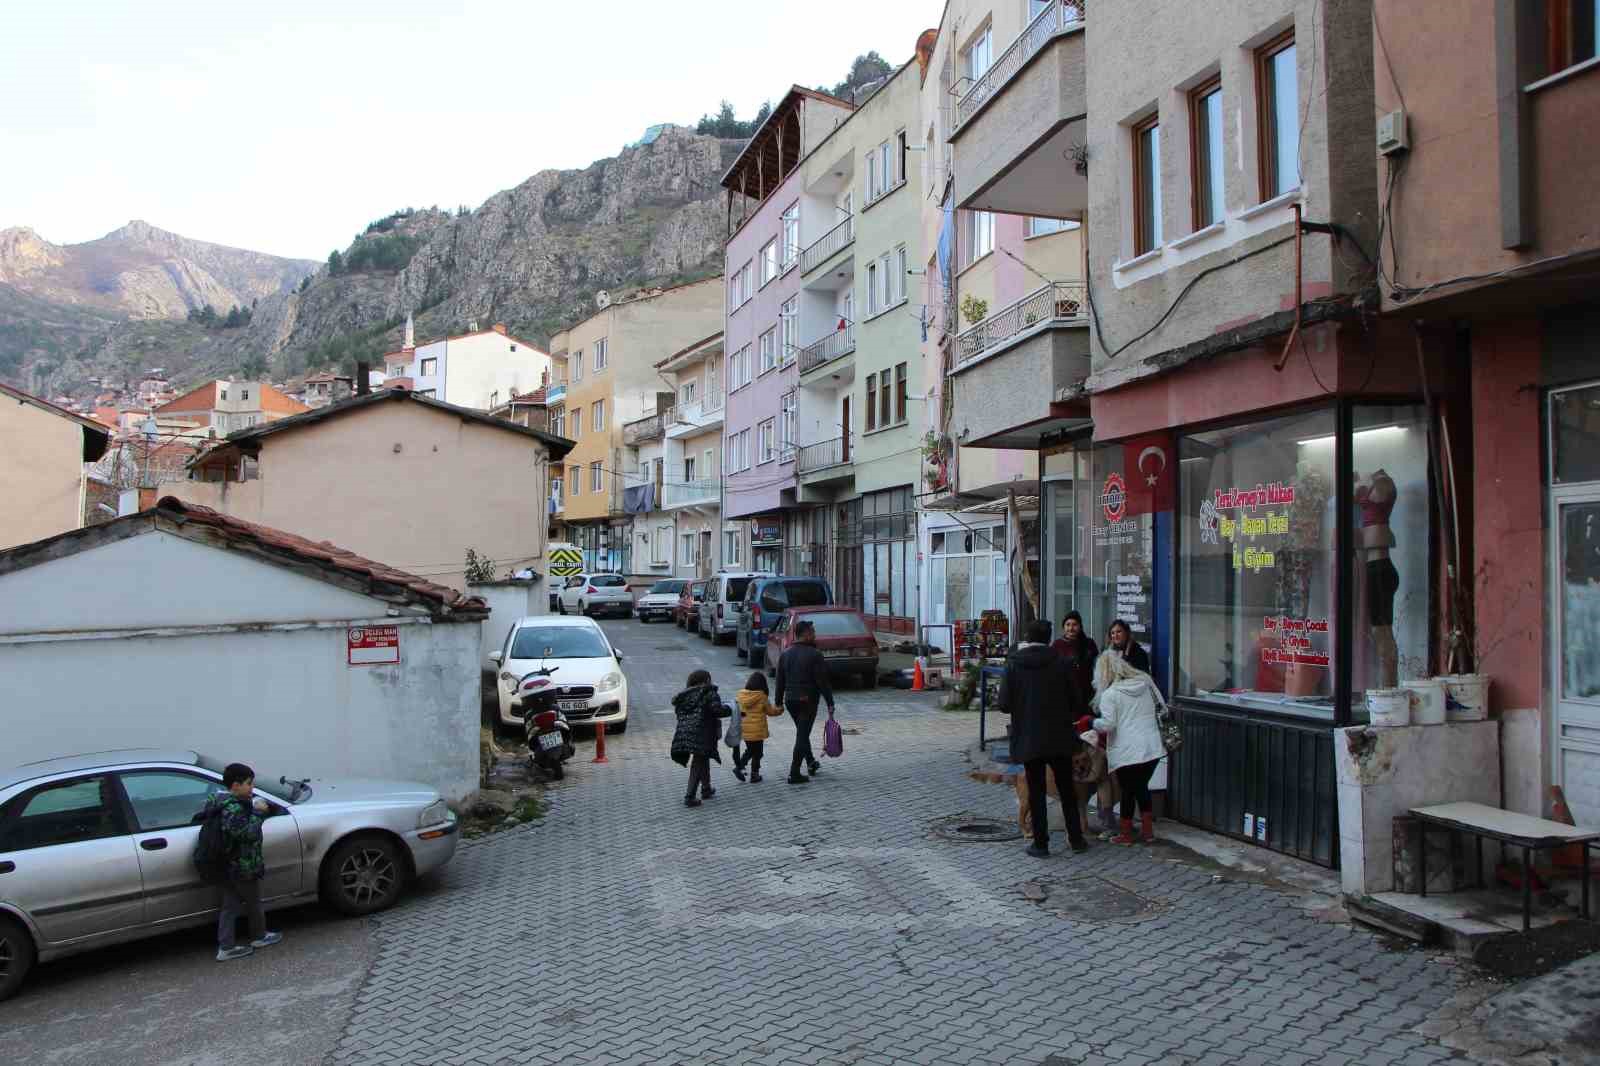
<point x="925" y="46"/>
<point x="363" y="378"/>
<point x="500" y="328"/>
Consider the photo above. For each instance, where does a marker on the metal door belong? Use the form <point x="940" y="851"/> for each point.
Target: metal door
<point x="1575" y="653"/>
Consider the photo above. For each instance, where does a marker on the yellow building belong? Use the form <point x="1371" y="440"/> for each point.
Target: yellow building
<point x="607" y="362"/>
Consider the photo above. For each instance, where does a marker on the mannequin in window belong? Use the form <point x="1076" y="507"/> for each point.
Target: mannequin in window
<point x="1375" y="497"/>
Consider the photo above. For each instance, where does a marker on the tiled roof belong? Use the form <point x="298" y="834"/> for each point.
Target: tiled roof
<point x="276" y="401"/>
<point x="194" y="522"/>
<point x="536" y="396"/>
<point x="203" y="398"/>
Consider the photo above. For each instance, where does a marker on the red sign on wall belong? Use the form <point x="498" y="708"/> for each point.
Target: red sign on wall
<point x="374" y="645"/>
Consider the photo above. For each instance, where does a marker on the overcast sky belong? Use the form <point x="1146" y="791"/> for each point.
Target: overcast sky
<point x="285" y="127"/>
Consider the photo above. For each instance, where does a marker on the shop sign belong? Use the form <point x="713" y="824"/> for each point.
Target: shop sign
<point x="766" y="533"/>
<point x="373" y="645"/>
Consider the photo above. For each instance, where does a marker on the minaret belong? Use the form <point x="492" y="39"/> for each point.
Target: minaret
<point x="411" y="334"/>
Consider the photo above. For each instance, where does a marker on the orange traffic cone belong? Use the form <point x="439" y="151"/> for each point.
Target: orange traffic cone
<point x="916" y="675"/>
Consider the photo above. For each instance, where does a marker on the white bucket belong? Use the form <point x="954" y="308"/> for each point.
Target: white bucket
<point x="1427" y="701"/>
<point x="1388" y="707"/>
<point x="1468" y="697"/>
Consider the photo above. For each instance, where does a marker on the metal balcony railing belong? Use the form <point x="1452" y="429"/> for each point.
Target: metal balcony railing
<point x="840" y="342"/>
<point x="1059" y="301"/>
<point x="1055" y="19"/>
<point x="650" y="427"/>
<point x="824" y="247"/>
<point x="685" y="493"/>
<point x="813" y="457"/>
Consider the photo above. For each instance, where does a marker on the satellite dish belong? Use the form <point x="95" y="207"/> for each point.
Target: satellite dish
<point x="602" y="299"/>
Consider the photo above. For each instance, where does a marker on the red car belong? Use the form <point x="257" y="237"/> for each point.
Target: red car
<point x="687" y="613"/>
<point x="842" y="637"/>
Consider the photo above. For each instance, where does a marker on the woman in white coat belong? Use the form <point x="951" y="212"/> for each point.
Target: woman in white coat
<point x="1126" y="700"/>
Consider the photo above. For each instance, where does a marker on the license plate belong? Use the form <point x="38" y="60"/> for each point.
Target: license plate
<point x="550" y="740"/>
<point x="573" y="705"/>
<point x="843" y="653"/>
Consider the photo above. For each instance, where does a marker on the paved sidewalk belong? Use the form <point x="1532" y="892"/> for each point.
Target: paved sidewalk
<point x="825" y="923"/>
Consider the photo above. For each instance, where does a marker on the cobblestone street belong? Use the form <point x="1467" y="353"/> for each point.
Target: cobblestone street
<point x="828" y="924"/>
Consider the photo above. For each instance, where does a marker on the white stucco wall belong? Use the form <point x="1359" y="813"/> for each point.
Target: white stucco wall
<point x="508" y="601"/>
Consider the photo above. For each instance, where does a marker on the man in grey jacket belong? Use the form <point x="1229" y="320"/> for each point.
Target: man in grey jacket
<point x="802" y="678"/>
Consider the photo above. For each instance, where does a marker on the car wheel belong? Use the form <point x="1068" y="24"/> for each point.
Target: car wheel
<point x="870" y="679"/>
<point x="16" y="956"/>
<point x="627" y="612"/>
<point x="363" y="875"/>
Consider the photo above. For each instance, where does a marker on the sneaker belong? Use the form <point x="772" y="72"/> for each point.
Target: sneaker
<point x="816" y="768"/>
<point x="708" y="793"/>
<point x="690" y="801"/>
<point x="237" y="952"/>
<point x="1038" y="852"/>
<point x="754" y="777"/>
<point x="267" y="940"/>
<point x="738" y="772"/>
<point x="799" y="779"/>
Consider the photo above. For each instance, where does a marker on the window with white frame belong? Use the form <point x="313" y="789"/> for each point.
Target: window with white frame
<point x="599" y="415"/>
<point x="686" y="393"/>
<point x="686" y="549"/>
<point x="577" y="365"/>
<point x="886" y="165"/>
<point x="902" y="264"/>
<point x="766" y="443"/>
<point x="596" y="473"/>
<point x="1043" y="227"/>
<point x="769" y="350"/>
<point x="786" y="422"/>
<point x="788" y="330"/>
<point x="872" y="289"/>
<point x="708" y="463"/>
<point x="874" y="183"/>
<point x="575" y="479"/>
<point x="600" y="355"/>
<point x="558" y="422"/>
<point x="791" y="234"/>
<point x="688" y="468"/>
<point x="979" y="56"/>
<point x="739" y="368"/>
<point x="661" y="545"/>
<point x="769" y="261"/>
<point x="577" y="423"/>
<point x="732" y="549"/>
<point x="977" y="236"/>
<point x="885" y="283"/>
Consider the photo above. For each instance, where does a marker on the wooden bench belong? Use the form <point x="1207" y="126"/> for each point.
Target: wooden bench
<point x="1509" y="828"/>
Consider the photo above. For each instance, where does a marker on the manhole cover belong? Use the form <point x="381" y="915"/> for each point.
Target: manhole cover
<point x="1089" y="898"/>
<point x="973" y="829"/>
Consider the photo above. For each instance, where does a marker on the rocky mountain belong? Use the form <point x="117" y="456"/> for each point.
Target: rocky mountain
<point x="140" y="271"/>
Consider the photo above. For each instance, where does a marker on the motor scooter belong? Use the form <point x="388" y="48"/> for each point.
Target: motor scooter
<point x="545" y="728"/>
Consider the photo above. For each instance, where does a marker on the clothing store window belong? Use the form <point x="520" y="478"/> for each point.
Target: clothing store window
<point x="1257" y="571"/>
<point x="967" y="571"/>
<point x="888" y="552"/>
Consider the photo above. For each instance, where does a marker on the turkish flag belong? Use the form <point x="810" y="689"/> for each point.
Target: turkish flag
<point x="1150" y="467"/>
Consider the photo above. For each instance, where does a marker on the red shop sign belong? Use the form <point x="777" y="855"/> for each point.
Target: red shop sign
<point x="374" y="645"/>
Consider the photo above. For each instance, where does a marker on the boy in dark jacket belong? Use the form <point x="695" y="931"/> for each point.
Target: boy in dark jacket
<point x="694" y="741"/>
<point x="242" y="813"/>
<point x="1040" y="696"/>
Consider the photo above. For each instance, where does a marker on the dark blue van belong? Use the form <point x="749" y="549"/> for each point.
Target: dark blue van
<point x="765" y="600"/>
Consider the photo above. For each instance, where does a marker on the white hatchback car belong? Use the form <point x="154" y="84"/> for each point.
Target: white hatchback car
<point x="590" y="686"/>
<point x="591" y="594"/>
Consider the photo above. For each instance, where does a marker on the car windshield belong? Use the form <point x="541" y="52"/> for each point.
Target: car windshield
<point x="736" y="587"/>
<point x="837" y="624"/>
<point x="284" y="788"/>
<point x="606" y="581"/>
<point x="806" y="594"/>
<point x="559" y="642"/>
<point x="666" y="586"/>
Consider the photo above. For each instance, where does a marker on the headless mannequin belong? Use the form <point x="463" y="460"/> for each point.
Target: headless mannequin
<point x="1376" y="498"/>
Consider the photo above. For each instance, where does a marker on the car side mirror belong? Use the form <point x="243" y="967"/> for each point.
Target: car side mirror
<point x="496" y="658"/>
<point x="616" y="654"/>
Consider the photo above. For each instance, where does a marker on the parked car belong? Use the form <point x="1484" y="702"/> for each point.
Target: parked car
<point x="593" y="593"/>
<point x="99" y="849"/>
<point x="688" y="613"/>
<point x="842" y="637"/>
<point x="590" y="685"/>
<point x="765" y="600"/>
<point x="662" y="600"/>
<point x="719" y="611"/>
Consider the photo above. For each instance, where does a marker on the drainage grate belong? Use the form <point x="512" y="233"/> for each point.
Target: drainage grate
<point x="974" y="829"/>
<point x="1088" y="898"/>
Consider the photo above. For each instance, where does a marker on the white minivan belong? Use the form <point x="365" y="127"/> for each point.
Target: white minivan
<point x="724" y="602"/>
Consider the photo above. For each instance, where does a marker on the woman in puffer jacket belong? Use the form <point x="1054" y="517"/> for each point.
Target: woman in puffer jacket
<point x="1126" y="699"/>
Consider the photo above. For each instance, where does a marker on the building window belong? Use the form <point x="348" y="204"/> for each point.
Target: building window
<point x="575" y="479"/>
<point x="558" y="422"/>
<point x="874" y="185"/>
<point x="595" y="474"/>
<point x="741" y="286"/>
<point x="872" y="289"/>
<point x="577" y="365"/>
<point x="1278" y="111"/>
<point x="791" y="234"/>
<point x="766" y="441"/>
<point x="555" y="492"/>
<point x="977" y="236"/>
<point x="789" y="329"/>
<point x="688" y="468"/>
<point x="769" y="350"/>
<point x="686" y="393"/>
<point x="900" y="393"/>
<point x="732" y="549"/>
<point x="786" y="422"/>
<point x="887" y="535"/>
<point x="430" y="367"/>
<point x="1570" y="36"/>
<point x="686" y="542"/>
<point x="872" y="402"/>
<point x="599" y="415"/>
<point x="883" y="398"/>
<point x="901" y="150"/>
<point x="901" y="265"/>
<point x="1147" y="185"/>
<point x="244" y="394"/>
<point x="743" y="456"/>
<point x="600" y="347"/>
<point x="739" y="368"/>
<point x="979" y="55"/>
<point x="769" y="261"/>
<point x="1205" y="142"/>
<point x="1044" y="227"/>
<point x="577" y="423"/>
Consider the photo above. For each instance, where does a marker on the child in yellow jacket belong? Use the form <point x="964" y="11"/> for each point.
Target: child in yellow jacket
<point x="754" y="710"/>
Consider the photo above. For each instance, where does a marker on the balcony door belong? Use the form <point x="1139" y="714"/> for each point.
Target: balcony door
<point x="844" y="429"/>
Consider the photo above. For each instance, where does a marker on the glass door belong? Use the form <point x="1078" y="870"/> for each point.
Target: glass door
<point x="1577" y="649"/>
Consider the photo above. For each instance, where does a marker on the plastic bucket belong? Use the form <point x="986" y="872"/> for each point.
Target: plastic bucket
<point x="1467" y="697"/>
<point x="1427" y="701"/>
<point x="1388" y="707"/>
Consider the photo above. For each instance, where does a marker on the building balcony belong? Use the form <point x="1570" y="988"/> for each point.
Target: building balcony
<point x="697" y="493"/>
<point x="820" y="251"/>
<point x="648" y="428"/>
<point x="835" y="345"/>
<point x="554" y="394"/>
<point x="1018" y="374"/>
<point x="1020" y="120"/>
<point x="689" y="419"/>
<point x="824" y="471"/>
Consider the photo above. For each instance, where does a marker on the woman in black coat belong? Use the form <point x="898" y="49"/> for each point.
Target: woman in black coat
<point x="1120" y="638"/>
<point x="694" y="741"/>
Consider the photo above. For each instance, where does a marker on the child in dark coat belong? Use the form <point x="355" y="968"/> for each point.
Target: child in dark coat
<point x="694" y="741"/>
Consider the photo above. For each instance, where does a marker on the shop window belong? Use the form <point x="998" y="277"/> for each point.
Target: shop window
<point x="1257" y="574"/>
<point x="1574" y="429"/>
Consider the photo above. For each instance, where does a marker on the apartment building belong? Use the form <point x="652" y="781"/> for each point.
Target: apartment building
<point x="610" y="380"/>
<point x="227" y="405"/>
<point x="1488" y="256"/>
<point x="692" y="459"/>
<point x="480" y="368"/>
<point x="1004" y="268"/>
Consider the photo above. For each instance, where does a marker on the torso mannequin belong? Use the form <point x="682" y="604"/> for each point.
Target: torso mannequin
<point x="1376" y="499"/>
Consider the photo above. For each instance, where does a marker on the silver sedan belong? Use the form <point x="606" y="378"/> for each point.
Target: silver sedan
<point x="99" y="849"/>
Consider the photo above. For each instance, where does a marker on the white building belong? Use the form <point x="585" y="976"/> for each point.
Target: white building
<point x="480" y="369"/>
<point x="241" y="642"/>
